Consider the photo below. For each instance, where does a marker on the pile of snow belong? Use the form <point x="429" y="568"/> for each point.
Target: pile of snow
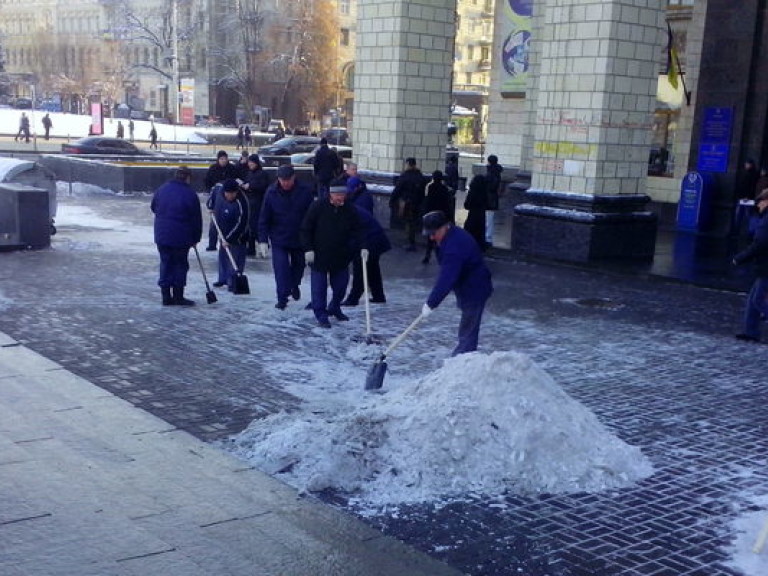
<point x="481" y="424"/>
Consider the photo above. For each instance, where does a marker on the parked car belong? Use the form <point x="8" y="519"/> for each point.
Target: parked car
<point x="290" y="145"/>
<point x="22" y="103"/>
<point x="276" y="125"/>
<point x="104" y="145"/>
<point x="338" y="136"/>
<point x="309" y="157"/>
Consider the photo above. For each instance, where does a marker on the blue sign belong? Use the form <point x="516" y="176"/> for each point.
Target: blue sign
<point x="693" y="208"/>
<point x="715" y="140"/>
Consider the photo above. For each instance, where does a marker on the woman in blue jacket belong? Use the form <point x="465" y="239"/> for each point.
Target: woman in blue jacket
<point x="178" y="227"/>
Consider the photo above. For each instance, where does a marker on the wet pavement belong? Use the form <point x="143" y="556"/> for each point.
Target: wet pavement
<point x="649" y="349"/>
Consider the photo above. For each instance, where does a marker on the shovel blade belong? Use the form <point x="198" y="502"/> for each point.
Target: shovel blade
<point x="210" y="297"/>
<point x="375" y="378"/>
<point x="241" y="284"/>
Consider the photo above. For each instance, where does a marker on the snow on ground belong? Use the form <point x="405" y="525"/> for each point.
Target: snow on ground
<point x="76" y="126"/>
<point x="481" y="423"/>
<point x="748" y="528"/>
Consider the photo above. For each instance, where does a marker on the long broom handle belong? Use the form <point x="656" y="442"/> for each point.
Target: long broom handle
<point x="402" y="336"/>
<point x="199" y="261"/>
<point x="221" y="239"/>
<point x="365" y="295"/>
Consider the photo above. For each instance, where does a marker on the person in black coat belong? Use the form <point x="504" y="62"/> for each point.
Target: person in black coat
<point x="475" y="204"/>
<point x="327" y="166"/>
<point x="438" y="197"/>
<point x="178" y="227"/>
<point x="407" y="198"/>
<point x="746" y="181"/>
<point x="218" y="172"/>
<point x="331" y="236"/>
<point x="376" y="242"/>
<point x="757" y="254"/>
<point x="255" y="186"/>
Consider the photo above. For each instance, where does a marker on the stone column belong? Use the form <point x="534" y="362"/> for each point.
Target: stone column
<point x="403" y="69"/>
<point x="596" y="93"/>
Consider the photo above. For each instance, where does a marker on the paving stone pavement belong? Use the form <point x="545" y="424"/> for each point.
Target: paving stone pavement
<point x="656" y="361"/>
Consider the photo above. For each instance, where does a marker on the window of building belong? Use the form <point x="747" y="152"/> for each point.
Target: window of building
<point x="345" y="36"/>
<point x="344" y="6"/>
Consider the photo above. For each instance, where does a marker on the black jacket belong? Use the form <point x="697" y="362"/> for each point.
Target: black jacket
<point x="757" y="251"/>
<point x="216" y="174"/>
<point x="410" y="188"/>
<point x="333" y="232"/>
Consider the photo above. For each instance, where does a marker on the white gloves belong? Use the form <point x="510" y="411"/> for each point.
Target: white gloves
<point x="262" y="249"/>
<point x="309" y="257"/>
<point x="364" y="254"/>
<point x="425" y="310"/>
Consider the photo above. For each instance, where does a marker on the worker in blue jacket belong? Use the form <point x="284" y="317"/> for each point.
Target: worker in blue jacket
<point x="178" y="227"/>
<point x="463" y="271"/>
<point x="282" y="213"/>
<point x="231" y="213"/>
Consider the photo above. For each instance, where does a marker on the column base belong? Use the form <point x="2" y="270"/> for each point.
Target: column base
<point x="583" y="227"/>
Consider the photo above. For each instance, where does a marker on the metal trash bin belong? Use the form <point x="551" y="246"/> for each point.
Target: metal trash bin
<point x="24" y="217"/>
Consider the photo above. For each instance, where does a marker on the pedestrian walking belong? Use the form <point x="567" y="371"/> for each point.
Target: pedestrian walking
<point x="463" y="271"/>
<point x="255" y="187"/>
<point x="178" y="227"/>
<point x="131" y="128"/>
<point x="285" y="205"/>
<point x="452" y="173"/>
<point x="407" y="198"/>
<point x="493" y="172"/>
<point x="153" y="137"/>
<point x="23" y="132"/>
<point x="331" y="237"/>
<point x="437" y="198"/>
<point x="327" y="167"/>
<point x="47" y="125"/>
<point x="240" y="137"/>
<point x="217" y="173"/>
<point x="120" y="129"/>
<point x="475" y="204"/>
<point x="248" y="137"/>
<point x="230" y="209"/>
<point x="756" y="309"/>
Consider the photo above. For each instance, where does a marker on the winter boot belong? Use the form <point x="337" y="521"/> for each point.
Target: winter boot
<point x="178" y="297"/>
<point x="167" y="298"/>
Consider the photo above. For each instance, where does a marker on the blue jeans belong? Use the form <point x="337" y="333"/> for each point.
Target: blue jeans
<point x="469" y="328"/>
<point x="757" y="306"/>
<point x="288" y="266"/>
<point x="320" y="279"/>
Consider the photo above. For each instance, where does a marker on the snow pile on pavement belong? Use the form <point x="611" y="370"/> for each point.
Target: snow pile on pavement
<point x="481" y="424"/>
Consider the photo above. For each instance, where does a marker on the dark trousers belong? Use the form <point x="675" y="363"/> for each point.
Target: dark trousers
<point x="253" y="224"/>
<point x="288" y="266"/>
<point x="757" y="307"/>
<point x="174" y="265"/>
<point x="226" y="272"/>
<point x="469" y="328"/>
<point x="320" y="280"/>
<point x="375" y="282"/>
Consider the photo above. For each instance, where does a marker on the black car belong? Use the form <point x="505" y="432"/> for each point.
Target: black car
<point x="104" y="145"/>
<point x="290" y="145"/>
<point x="338" y="136"/>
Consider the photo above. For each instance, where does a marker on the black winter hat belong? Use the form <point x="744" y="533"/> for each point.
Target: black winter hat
<point x="254" y="158"/>
<point x="230" y="185"/>
<point x="222" y="154"/>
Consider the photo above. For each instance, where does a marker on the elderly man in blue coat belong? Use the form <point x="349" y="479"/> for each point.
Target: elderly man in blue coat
<point x="285" y="204"/>
<point x="178" y="227"/>
<point x="463" y="271"/>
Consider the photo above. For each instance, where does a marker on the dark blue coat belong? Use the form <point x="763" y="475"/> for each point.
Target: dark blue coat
<point x="374" y="237"/>
<point x="178" y="217"/>
<point x="232" y="218"/>
<point x="333" y="233"/>
<point x="362" y="198"/>
<point x="757" y="251"/>
<point x="462" y="270"/>
<point x="282" y="213"/>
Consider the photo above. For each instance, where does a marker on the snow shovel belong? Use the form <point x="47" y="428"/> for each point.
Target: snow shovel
<point x="240" y="280"/>
<point x="375" y="378"/>
<point x="210" y="295"/>
<point x="369" y="338"/>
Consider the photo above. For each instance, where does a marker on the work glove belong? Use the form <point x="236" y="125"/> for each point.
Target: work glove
<point x="425" y="310"/>
<point x="364" y="254"/>
<point x="262" y="249"/>
<point x="309" y="257"/>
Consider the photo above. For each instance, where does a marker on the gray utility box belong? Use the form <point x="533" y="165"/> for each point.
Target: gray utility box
<point x="25" y="220"/>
